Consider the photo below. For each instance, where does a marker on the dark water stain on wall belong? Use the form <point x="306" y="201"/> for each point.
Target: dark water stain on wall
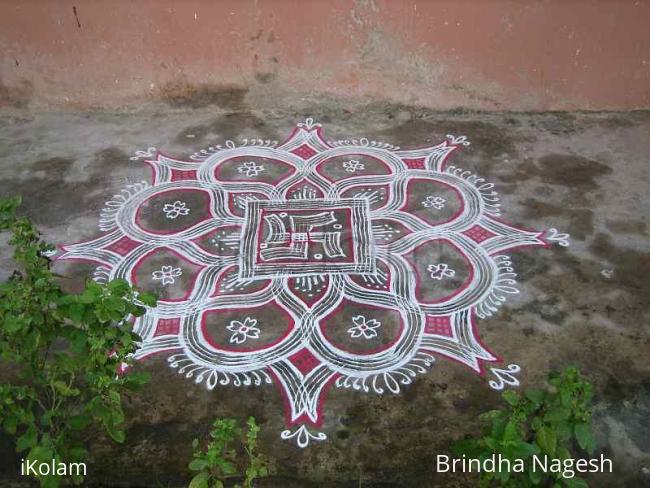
<point x="17" y="96"/>
<point x="265" y="77"/>
<point x="182" y="94"/>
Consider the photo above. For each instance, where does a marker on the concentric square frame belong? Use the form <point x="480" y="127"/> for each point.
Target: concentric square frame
<point x="363" y="251"/>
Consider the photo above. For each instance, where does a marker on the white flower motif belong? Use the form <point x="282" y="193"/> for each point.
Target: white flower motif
<point x="440" y="271"/>
<point x="353" y="165"/>
<point x="166" y="274"/>
<point x="243" y="330"/>
<point x="363" y="327"/>
<point x="250" y="169"/>
<point x="434" y="202"/>
<point x="173" y="210"/>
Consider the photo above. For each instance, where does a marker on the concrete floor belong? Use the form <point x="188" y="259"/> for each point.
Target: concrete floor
<point x="588" y="304"/>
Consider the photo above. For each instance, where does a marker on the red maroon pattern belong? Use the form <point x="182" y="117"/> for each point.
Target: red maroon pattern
<point x="478" y="234"/>
<point x="304" y="151"/>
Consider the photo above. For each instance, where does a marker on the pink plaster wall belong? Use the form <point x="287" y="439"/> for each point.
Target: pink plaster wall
<point x="481" y="54"/>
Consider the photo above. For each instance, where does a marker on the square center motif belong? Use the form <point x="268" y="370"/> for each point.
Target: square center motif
<point x="302" y="237"/>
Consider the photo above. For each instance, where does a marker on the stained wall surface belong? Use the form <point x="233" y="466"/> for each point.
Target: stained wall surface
<point x="444" y="54"/>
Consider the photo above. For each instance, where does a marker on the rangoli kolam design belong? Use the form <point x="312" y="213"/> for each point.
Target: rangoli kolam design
<point x="312" y="264"/>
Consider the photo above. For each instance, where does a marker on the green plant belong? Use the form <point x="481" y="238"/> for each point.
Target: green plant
<point x="552" y="422"/>
<point x="217" y="460"/>
<point x="61" y="354"/>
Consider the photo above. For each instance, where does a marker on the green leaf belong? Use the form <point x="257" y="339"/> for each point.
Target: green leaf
<point x="201" y="480"/>
<point x="535" y="476"/>
<point x="50" y="481"/>
<point x="79" y="422"/>
<point x="115" y="432"/>
<point x="89" y="295"/>
<point x="565" y="397"/>
<point x="76" y="312"/>
<point x="46" y="418"/>
<point x="563" y="453"/>
<point x="116" y="304"/>
<point x="491" y="443"/>
<point x="148" y="299"/>
<point x="490" y="415"/>
<point x="198" y="464"/>
<point x="498" y="428"/>
<point x="64" y="389"/>
<point x="546" y="440"/>
<point x="115" y="397"/>
<point x="226" y="466"/>
<point x="511" y="432"/>
<point x="535" y="396"/>
<point x="27" y="440"/>
<point x="102" y="315"/>
<point x="77" y="340"/>
<point x="471" y="448"/>
<point x="138" y="311"/>
<point x="585" y="437"/>
<point x="564" y="431"/>
<point x="511" y="397"/>
<point x="77" y="454"/>
<point x="558" y="414"/>
<point x="10" y="423"/>
<point x="13" y="324"/>
<point x="118" y="286"/>
<point x="41" y="454"/>
<point x="524" y="450"/>
<point x="134" y="381"/>
<point x="575" y="482"/>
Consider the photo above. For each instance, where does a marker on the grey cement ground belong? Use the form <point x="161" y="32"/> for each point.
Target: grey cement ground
<point x="585" y="174"/>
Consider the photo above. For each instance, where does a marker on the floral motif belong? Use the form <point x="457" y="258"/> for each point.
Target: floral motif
<point x="308" y="291"/>
<point x="166" y="274"/>
<point x="250" y="169"/>
<point x="243" y="330"/>
<point x="434" y="202"/>
<point x="173" y="210"/>
<point x="440" y="271"/>
<point x="363" y="327"/>
<point x="353" y="165"/>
